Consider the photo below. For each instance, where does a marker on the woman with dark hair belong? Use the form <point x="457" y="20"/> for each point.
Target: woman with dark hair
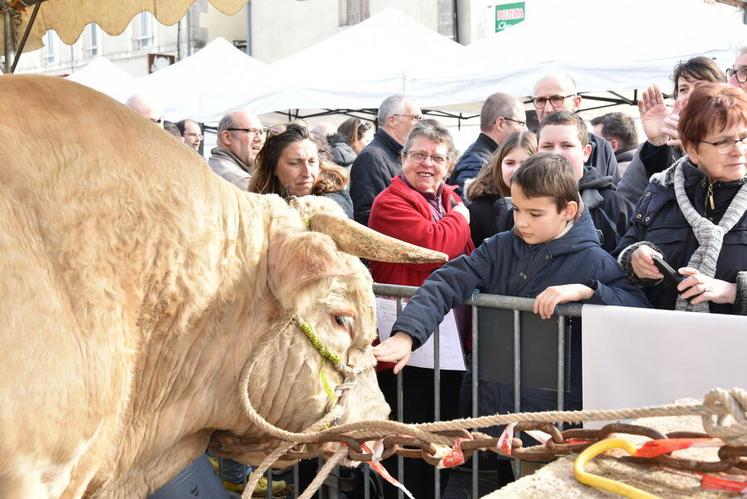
<point x="660" y="125"/>
<point x="352" y="136"/>
<point x="289" y="165"/>
<point x="692" y="215"/>
<point x="490" y="193"/>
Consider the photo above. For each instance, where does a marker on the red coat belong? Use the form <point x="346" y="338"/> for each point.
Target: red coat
<point x="403" y="213"/>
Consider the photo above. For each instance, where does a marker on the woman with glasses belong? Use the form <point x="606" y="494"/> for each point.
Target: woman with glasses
<point x="289" y="165"/>
<point x="692" y="215"/>
<point x="660" y="125"/>
<point x="418" y="207"/>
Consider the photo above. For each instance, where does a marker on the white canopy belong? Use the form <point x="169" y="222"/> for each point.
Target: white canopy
<point x="206" y="84"/>
<point x="357" y="67"/>
<point x="102" y="75"/>
<point x="623" y="46"/>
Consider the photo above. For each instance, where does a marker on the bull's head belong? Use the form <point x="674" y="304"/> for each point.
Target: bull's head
<point x="316" y="278"/>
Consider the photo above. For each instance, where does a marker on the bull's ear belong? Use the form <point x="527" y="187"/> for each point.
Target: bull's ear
<point x="295" y="259"/>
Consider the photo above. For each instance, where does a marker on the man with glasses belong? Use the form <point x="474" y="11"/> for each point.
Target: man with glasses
<point x="500" y="116"/>
<point x="379" y="161"/>
<point x="191" y="133"/>
<point x="738" y="73"/>
<point x="557" y="92"/>
<point x="147" y="110"/>
<point x="240" y="137"/>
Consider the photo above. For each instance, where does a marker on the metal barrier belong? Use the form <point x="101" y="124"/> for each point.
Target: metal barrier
<point x="485" y="302"/>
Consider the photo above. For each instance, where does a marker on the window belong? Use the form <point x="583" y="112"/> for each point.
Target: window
<point x="52" y="48"/>
<point x="94" y="40"/>
<point x="143" y="30"/>
<point x="358" y="10"/>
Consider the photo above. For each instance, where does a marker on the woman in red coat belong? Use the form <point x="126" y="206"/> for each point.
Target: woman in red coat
<point x="418" y="207"/>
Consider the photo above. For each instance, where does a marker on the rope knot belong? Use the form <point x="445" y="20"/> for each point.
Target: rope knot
<point x="725" y="415"/>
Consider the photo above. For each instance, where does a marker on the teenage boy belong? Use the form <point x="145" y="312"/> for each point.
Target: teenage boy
<point x="552" y="254"/>
<point x="565" y="134"/>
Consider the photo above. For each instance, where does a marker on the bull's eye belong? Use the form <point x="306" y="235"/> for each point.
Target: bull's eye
<point x="345" y="322"/>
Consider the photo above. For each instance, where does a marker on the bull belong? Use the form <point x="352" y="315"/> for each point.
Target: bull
<point x="137" y="286"/>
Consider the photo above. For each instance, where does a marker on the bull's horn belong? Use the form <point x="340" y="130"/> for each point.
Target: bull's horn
<point x="356" y="239"/>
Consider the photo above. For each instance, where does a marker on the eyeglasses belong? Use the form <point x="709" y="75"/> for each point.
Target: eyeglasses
<point x="157" y="121"/>
<point x="724" y="146"/>
<point x="740" y="74"/>
<point x="421" y="156"/>
<point x="415" y="117"/>
<point x="520" y="123"/>
<point x="555" y="101"/>
<point x="250" y="131"/>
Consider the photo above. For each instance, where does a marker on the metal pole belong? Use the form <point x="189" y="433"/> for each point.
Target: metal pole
<point x="248" y="48"/>
<point x="561" y="364"/>
<point x="517" y="376"/>
<point x="8" y="42"/>
<point x="400" y="417"/>
<point x="475" y="391"/>
<point x="189" y="32"/>
<point x="437" y="400"/>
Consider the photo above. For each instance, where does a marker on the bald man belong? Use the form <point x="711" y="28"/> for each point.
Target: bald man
<point x="240" y="137"/>
<point x="144" y="108"/>
<point x="557" y="92"/>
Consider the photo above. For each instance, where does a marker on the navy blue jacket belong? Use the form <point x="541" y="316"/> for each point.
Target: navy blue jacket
<point x="372" y="171"/>
<point x="659" y="220"/>
<point x="506" y="265"/>
<point x="603" y="158"/>
<point x="470" y="163"/>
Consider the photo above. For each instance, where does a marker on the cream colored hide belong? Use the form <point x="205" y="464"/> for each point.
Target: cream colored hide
<point x="136" y="285"/>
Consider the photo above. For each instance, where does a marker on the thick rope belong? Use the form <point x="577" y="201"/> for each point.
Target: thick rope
<point x="255" y="475"/>
<point x="323" y="473"/>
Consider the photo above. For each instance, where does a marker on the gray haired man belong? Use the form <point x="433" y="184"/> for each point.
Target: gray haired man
<point x="240" y="137"/>
<point x="379" y="161"/>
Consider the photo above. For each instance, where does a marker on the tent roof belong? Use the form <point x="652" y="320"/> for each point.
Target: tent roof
<point x="357" y="67"/>
<point x="204" y="85"/>
<point x="69" y="17"/>
<point x="102" y="75"/>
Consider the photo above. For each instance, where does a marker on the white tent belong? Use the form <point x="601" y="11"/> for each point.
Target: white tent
<point x="206" y="84"/>
<point x="623" y="46"/>
<point x="357" y="67"/>
<point x="102" y="75"/>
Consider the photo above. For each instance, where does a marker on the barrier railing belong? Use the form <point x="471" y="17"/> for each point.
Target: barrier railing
<point x="481" y="302"/>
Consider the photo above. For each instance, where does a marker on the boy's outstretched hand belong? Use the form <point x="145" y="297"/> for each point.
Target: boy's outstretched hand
<point x="544" y="304"/>
<point x="397" y="348"/>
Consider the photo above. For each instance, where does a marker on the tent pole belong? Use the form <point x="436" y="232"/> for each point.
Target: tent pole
<point x="25" y="37"/>
<point x="8" y="41"/>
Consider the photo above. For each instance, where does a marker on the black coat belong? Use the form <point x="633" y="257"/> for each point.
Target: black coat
<point x="649" y="159"/>
<point x="377" y="164"/>
<point x="659" y="220"/>
<point x="489" y="215"/>
<point x="470" y="163"/>
<point x="602" y="158"/>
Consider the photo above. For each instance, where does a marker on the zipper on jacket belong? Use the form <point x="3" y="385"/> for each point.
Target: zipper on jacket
<point x="710" y="203"/>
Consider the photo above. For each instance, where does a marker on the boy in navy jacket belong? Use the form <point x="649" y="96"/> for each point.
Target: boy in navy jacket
<point x="552" y="255"/>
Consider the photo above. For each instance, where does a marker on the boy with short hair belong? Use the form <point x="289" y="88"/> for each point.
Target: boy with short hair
<point x="552" y="255"/>
<point x="565" y="134"/>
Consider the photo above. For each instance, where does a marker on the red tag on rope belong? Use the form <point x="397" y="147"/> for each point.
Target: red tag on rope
<point x="713" y="482"/>
<point x="655" y="448"/>
<point x="375" y="465"/>
<point x="455" y="457"/>
<point x="506" y="439"/>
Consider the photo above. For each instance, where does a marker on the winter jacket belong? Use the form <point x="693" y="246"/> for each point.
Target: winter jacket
<point x="342" y="153"/>
<point x="372" y="171"/>
<point x="659" y="222"/>
<point x="470" y="163"/>
<point x="607" y="210"/>
<point x="343" y="199"/>
<point x="489" y="215"/>
<point x="602" y="157"/>
<point x="505" y="265"/>
<point x="649" y="159"/>
<point x="229" y="167"/>
<point x="403" y="213"/>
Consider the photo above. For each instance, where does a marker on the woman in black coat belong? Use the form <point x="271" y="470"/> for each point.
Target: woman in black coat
<point x="489" y="194"/>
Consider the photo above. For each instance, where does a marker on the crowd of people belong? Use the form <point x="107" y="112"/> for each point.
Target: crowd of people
<point x="558" y="214"/>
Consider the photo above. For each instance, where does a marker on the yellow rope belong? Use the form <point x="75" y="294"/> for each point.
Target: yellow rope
<point x="317" y="343"/>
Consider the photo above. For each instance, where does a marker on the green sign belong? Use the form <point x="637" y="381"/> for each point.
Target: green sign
<point x="508" y="14"/>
